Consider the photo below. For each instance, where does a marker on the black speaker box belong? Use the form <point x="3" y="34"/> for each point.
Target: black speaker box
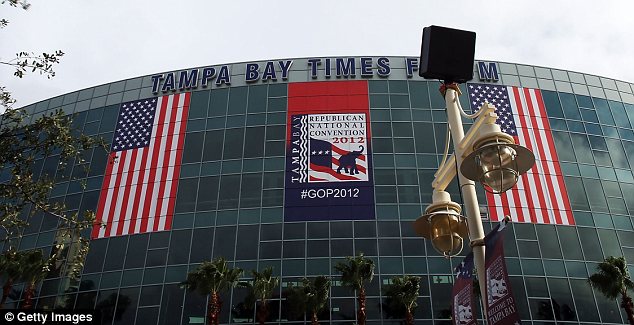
<point x="447" y="54"/>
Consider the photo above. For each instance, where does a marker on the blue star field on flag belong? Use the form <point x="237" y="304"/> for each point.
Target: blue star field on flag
<point x="498" y="96"/>
<point x="134" y="126"/>
<point x="464" y="270"/>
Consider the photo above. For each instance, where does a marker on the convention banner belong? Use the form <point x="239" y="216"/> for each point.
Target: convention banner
<point x="500" y="303"/>
<point x="462" y="300"/>
<point x="328" y="152"/>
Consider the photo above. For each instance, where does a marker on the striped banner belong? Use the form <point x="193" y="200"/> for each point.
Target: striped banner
<point x="540" y="195"/>
<point x="141" y="179"/>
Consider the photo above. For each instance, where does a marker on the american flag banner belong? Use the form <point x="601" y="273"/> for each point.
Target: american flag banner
<point x="540" y="195"/>
<point x="141" y="179"/>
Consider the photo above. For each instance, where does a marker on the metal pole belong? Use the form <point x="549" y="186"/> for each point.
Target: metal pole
<point x="467" y="186"/>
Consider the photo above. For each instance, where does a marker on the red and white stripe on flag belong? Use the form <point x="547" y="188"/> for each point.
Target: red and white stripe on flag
<point x="139" y="187"/>
<point x="540" y="196"/>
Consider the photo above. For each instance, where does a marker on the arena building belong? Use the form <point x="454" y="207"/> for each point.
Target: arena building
<point x="298" y="163"/>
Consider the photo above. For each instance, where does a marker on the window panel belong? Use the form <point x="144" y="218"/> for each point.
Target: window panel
<point x="378" y="86"/>
<point x="318" y="248"/>
<point x="594" y="192"/>
<point x="589" y="115"/>
<point x="341" y="229"/>
<point x="179" y="246"/>
<point x="548" y="241"/>
<point x="208" y="193"/>
<point x="609" y="242"/>
<point x="114" y="258"/>
<point x="419" y="94"/>
<point x="271" y="232"/>
<point x="584" y="300"/>
<point x="569" y="104"/>
<point x="96" y="255"/>
<point x="403" y="129"/>
<point x="584" y="101"/>
<point x="257" y="99"/>
<point x="590" y="244"/>
<point x="408" y="194"/>
<point x="581" y="146"/>
<point x="219" y="99"/>
<point x="294" y="249"/>
<point x="251" y="190"/>
<point x="399" y="101"/>
<point x="126" y="305"/>
<point x="270" y="250"/>
<point x="617" y="153"/>
<point x="254" y="142"/>
<point x="401" y="115"/>
<point x="135" y="255"/>
<point x="379" y="101"/>
<point x="229" y="192"/>
<point x="403" y="145"/>
<point x="156" y="257"/>
<point x="341" y="248"/>
<point x="551" y="101"/>
<point x="382" y="145"/>
<point x="389" y="247"/>
<point x="192" y="149"/>
<point x="186" y="198"/>
<point x="384" y="177"/>
<point x="274" y="148"/>
<point x="234" y="141"/>
<point x="620" y="117"/>
<point x="572" y="249"/>
<point x="237" y="100"/>
<point x="150" y="295"/>
<point x="365" y="246"/>
<point x="199" y="103"/>
<point x="214" y="141"/>
<point x="398" y="86"/>
<point x="225" y="242"/>
<point x="202" y="242"/>
<point x="247" y="242"/>
<point x="528" y="248"/>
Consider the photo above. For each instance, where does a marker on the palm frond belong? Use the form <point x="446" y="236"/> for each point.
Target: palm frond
<point x="612" y="277"/>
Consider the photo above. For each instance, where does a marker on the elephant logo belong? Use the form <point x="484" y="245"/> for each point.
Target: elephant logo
<point x="497" y="290"/>
<point x="349" y="161"/>
<point x="464" y="314"/>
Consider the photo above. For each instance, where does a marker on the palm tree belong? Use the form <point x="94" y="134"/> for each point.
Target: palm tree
<point x="263" y="285"/>
<point x="212" y="278"/>
<point x="354" y="274"/>
<point x="311" y="297"/>
<point x="402" y="293"/>
<point x="11" y="270"/>
<point x="34" y="269"/>
<point x="612" y="280"/>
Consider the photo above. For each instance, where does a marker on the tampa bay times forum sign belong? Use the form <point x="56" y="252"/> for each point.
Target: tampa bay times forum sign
<point x="328" y="142"/>
<point x="347" y="67"/>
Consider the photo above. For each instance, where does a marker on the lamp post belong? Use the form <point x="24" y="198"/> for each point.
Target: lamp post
<point x="484" y="153"/>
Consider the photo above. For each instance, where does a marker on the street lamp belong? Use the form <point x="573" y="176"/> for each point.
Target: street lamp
<point x="484" y="154"/>
<point x="443" y="225"/>
<point x="497" y="162"/>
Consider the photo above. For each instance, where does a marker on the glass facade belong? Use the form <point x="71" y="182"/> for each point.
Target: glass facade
<point x="230" y="202"/>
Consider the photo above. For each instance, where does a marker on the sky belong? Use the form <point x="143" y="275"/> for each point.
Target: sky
<point x="107" y="41"/>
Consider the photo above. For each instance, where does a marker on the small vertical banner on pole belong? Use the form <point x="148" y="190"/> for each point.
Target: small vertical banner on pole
<point x="462" y="302"/>
<point x="500" y="303"/>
